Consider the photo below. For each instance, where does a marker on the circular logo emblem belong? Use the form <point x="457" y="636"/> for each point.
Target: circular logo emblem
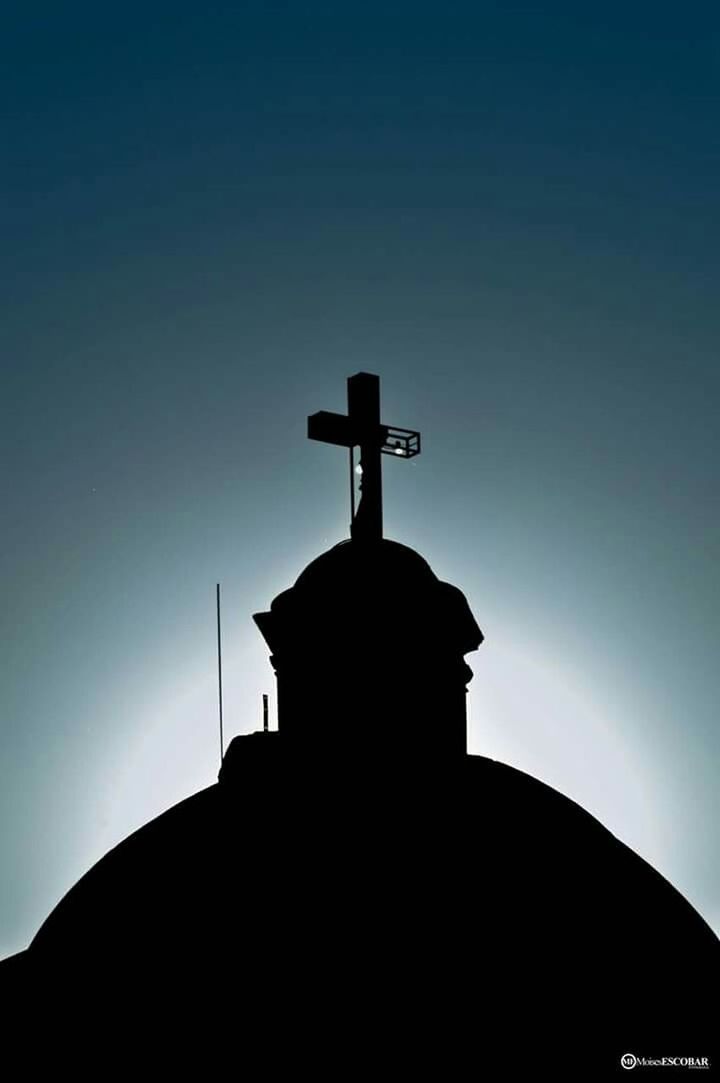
<point x="628" y="1060"/>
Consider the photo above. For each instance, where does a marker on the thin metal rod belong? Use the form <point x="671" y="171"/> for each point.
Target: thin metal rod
<point x="220" y="700"/>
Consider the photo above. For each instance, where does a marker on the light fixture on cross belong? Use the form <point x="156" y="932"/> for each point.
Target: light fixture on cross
<point x="361" y="427"/>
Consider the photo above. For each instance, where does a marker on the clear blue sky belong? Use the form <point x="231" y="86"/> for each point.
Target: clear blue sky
<point x="211" y="216"/>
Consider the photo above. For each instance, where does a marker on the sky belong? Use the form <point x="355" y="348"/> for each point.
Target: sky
<point x="211" y="216"/>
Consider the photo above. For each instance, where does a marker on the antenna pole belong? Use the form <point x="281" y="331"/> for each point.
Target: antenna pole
<point x="220" y="702"/>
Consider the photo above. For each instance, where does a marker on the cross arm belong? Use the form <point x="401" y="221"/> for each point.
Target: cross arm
<point x="339" y="429"/>
<point x="331" y="428"/>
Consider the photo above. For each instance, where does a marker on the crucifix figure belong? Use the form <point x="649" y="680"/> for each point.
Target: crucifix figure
<point x="361" y="427"/>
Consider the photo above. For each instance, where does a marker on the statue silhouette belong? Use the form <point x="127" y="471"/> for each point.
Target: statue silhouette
<point x="357" y="893"/>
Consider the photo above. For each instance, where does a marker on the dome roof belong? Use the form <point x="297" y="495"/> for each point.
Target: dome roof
<point x="380" y="560"/>
<point x="359" y="584"/>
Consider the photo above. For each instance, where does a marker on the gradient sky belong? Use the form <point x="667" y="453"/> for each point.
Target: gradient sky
<point x="211" y="216"/>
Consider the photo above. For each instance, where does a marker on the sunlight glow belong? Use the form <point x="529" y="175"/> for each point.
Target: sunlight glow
<point x="533" y="713"/>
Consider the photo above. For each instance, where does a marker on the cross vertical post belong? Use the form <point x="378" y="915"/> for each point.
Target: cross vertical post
<point x="363" y="392"/>
<point x="361" y="427"/>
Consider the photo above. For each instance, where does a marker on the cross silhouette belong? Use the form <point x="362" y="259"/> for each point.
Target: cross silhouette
<point x="361" y="427"/>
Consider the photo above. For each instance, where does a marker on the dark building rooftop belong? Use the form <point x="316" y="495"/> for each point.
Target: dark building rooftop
<point x="361" y="888"/>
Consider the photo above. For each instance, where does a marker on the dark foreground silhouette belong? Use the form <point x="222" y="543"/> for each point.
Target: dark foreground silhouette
<point x="357" y="894"/>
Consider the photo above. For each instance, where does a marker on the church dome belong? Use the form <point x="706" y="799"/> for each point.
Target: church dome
<point x="360" y="585"/>
<point x="379" y="560"/>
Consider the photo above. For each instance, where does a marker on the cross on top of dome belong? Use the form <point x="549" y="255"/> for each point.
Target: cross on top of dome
<point x="361" y="426"/>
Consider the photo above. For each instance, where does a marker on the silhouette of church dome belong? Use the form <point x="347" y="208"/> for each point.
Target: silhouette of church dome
<point x="376" y="586"/>
<point x="382" y="558"/>
<point x="410" y="908"/>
